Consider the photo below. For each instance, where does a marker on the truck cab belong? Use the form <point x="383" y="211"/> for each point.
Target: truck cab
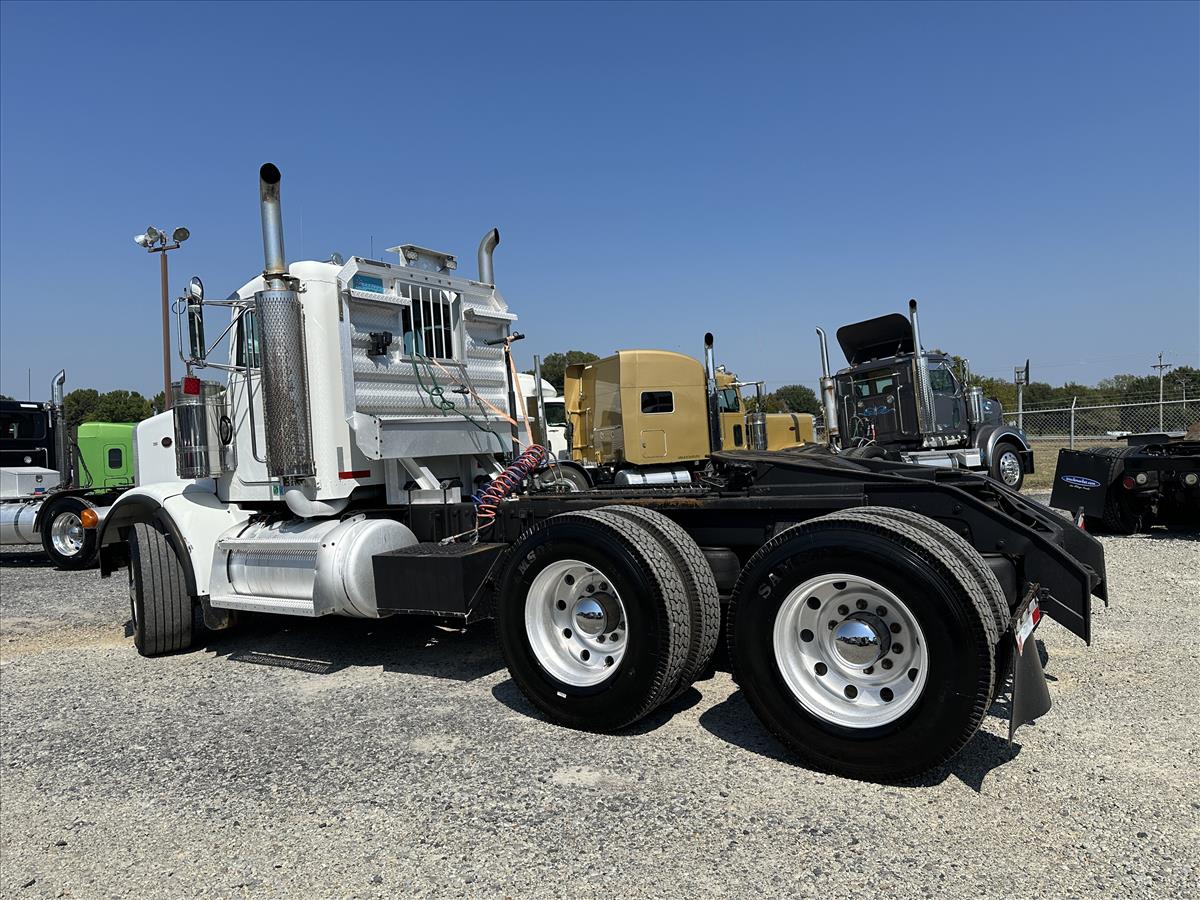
<point x="905" y="401"/>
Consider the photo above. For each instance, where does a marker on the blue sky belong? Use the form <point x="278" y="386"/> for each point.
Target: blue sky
<point x="1028" y="171"/>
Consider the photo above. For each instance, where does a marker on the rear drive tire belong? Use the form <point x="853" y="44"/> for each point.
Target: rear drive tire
<point x="704" y="601"/>
<point x="592" y="619"/>
<point x="158" y="598"/>
<point x="1121" y="514"/>
<point x="1006" y="466"/>
<point x="905" y="676"/>
<point x="69" y="545"/>
<point x="949" y="542"/>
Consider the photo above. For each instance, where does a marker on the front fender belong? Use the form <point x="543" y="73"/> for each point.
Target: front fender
<point x="190" y="514"/>
<point x="987" y="437"/>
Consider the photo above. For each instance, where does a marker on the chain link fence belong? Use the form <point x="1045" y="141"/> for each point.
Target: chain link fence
<point x="1079" y="427"/>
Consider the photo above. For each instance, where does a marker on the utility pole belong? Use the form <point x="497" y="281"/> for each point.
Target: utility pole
<point x="1162" y="369"/>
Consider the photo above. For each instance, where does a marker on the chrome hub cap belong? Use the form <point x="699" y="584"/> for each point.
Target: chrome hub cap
<point x="575" y="623"/>
<point x="861" y="640"/>
<point x="1010" y="467"/>
<point x="66" y="534"/>
<point x="850" y="651"/>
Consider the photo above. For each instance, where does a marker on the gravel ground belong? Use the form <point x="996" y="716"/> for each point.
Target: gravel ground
<point x="347" y="758"/>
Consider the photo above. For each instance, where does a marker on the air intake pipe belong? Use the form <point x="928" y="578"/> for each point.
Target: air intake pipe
<point x="490" y="242"/>
<point x="59" y="418"/>
<point x="281" y="335"/>
<point x="926" y="418"/>
<point x="828" y="394"/>
<point x="710" y="384"/>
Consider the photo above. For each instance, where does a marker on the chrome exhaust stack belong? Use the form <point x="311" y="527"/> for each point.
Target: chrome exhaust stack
<point x="61" y="445"/>
<point x="710" y="384"/>
<point x="828" y="394"/>
<point x="483" y="256"/>
<point x="926" y="418"/>
<point x="284" y="366"/>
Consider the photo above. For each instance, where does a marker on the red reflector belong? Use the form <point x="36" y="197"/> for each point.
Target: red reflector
<point x="357" y="473"/>
<point x="1129" y="483"/>
<point x="1037" y="614"/>
<point x="191" y="385"/>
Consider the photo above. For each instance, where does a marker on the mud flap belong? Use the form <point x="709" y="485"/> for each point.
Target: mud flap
<point x="1030" y="695"/>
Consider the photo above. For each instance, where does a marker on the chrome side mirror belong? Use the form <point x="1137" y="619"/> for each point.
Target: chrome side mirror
<point x="195" y="317"/>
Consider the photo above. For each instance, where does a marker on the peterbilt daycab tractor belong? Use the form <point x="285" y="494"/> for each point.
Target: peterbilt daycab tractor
<point x="897" y="400"/>
<point x="365" y="456"/>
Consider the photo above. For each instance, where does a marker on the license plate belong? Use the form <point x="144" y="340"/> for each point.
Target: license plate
<point x="1027" y="622"/>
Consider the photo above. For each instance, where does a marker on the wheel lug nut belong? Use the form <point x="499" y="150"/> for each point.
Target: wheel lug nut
<point x="832" y="625"/>
<point x="566" y="632"/>
<point x="608" y="660"/>
<point x="591" y="589"/>
<point x="843" y="610"/>
<point x="861" y="604"/>
<point x="869" y="670"/>
<point x="585" y="656"/>
<point x="603" y="586"/>
<point x="600" y="638"/>
<point x="561" y="604"/>
<point x="887" y="663"/>
<point x="886" y="695"/>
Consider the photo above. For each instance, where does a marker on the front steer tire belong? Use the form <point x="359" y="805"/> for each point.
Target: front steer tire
<point x="954" y="623"/>
<point x="1006" y="465"/>
<point x="655" y="628"/>
<point x="159" y="602"/>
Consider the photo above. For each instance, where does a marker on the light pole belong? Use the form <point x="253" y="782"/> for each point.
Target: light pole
<point x="156" y="241"/>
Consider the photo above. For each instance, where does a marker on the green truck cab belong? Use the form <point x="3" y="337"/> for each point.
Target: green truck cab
<point x="104" y="458"/>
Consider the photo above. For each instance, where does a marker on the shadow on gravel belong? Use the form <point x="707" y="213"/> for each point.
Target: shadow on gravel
<point x="36" y="559"/>
<point x="510" y="695"/>
<point x="408" y="645"/>
<point x="733" y="721"/>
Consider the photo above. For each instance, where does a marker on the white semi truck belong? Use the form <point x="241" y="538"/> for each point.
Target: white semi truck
<point x="360" y="458"/>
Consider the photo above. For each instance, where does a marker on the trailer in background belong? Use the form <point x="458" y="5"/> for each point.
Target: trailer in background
<point x="1154" y="480"/>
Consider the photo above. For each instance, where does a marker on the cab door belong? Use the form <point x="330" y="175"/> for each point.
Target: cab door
<point x="948" y="403"/>
<point x="733" y="420"/>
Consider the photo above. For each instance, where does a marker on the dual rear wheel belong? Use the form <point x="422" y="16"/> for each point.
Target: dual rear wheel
<point x="867" y="641"/>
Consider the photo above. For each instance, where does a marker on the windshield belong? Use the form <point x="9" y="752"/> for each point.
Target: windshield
<point x="19" y="425"/>
<point x="556" y="414"/>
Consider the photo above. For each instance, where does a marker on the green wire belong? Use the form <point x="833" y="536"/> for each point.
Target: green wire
<point x="437" y="395"/>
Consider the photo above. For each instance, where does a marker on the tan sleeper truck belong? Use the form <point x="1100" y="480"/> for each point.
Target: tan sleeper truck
<point x="653" y="417"/>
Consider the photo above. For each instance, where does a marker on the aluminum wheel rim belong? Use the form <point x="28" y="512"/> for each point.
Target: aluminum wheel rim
<point x="66" y="534"/>
<point x="575" y="623"/>
<point x="829" y="618"/>
<point x="1010" y="467"/>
